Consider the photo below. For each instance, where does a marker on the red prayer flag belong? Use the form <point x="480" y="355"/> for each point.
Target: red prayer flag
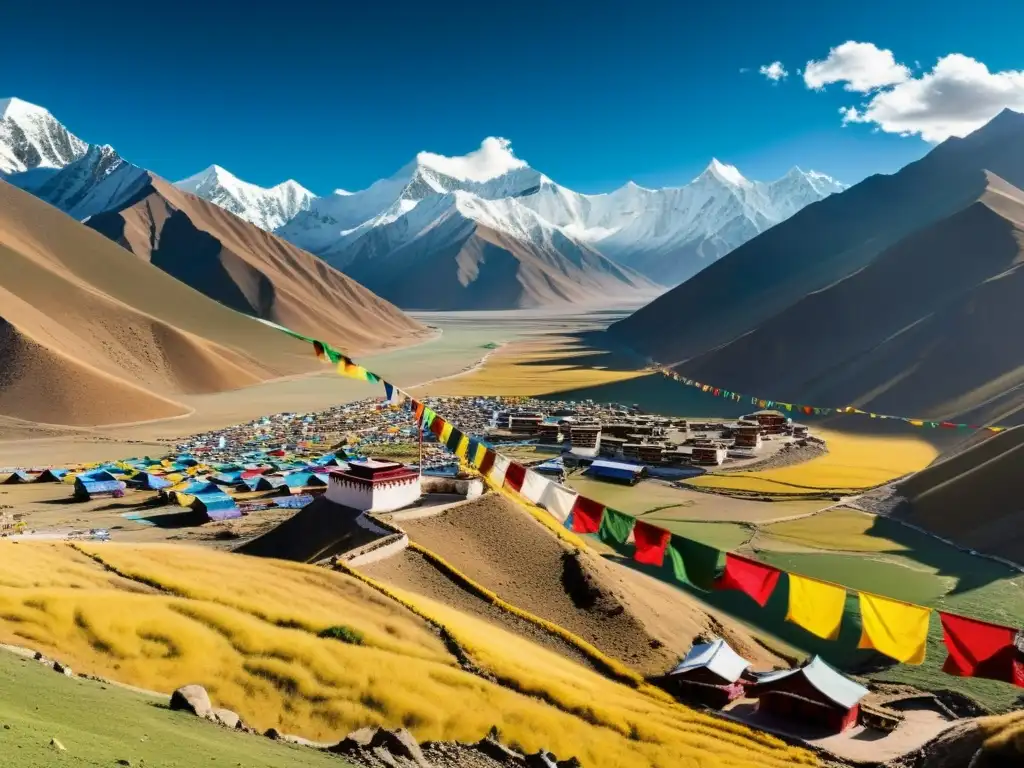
<point x="651" y="543"/>
<point x="586" y="515"/>
<point x="754" y="579"/>
<point x="514" y="476"/>
<point x="488" y="462"/>
<point x="437" y="425"/>
<point x="979" y="649"/>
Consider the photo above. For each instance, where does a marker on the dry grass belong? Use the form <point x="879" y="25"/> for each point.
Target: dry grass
<point x="537" y="367"/>
<point x="1004" y="736"/>
<point x="246" y="629"/>
<point x="852" y="462"/>
<point x="629" y="727"/>
<point x="846" y="530"/>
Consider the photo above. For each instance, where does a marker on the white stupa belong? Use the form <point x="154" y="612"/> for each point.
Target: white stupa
<point x="374" y="486"/>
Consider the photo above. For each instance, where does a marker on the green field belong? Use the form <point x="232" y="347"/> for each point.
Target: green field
<point x="874" y="554"/>
<point x="100" y="724"/>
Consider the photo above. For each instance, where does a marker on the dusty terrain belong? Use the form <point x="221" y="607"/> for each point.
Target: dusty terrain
<point x="90" y="334"/>
<point x="252" y="271"/>
<point x="638" y="620"/>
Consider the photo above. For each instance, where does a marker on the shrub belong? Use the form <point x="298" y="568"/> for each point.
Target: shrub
<point x="342" y="633"/>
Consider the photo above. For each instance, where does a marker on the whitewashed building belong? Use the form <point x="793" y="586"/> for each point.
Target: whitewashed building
<point x="374" y="486"/>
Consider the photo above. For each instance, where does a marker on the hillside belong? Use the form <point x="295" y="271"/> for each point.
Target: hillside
<point x="922" y="330"/>
<point x="821" y="244"/>
<point x="973" y="497"/>
<point x="248" y="630"/>
<point x="460" y="264"/>
<point x="90" y="334"/>
<point x="252" y="271"/>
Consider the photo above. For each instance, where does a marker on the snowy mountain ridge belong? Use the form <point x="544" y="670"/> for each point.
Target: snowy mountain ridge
<point x="32" y="139"/>
<point x="666" y="234"/>
<point x="266" y="208"/>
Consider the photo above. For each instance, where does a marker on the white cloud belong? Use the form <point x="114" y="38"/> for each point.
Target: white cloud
<point x="956" y="97"/>
<point x="774" y="71"/>
<point x="494" y="158"/>
<point x="863" y="67"/>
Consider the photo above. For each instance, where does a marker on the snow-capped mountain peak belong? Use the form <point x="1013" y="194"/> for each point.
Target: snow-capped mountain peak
<point x="724" y="173"/>
<point x="266" y="208"/>
<point x="32" y="139"/>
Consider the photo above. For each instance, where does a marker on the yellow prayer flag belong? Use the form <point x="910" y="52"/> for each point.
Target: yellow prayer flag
<point x="446" y="432"/>
<point x="816" y="606"/>
<point x="462" y="447"/>
<point x="478" y="456"/>
<point x="899" y="630"/>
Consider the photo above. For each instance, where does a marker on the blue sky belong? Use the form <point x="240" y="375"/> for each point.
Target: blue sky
<point x="592" y="93"/>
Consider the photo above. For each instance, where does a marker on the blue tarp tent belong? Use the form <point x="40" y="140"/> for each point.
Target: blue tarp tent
<point x="148" y="482"/>
<point x="99" y="483"/>
<point x="616" y="471"/>
<point x="270" y="483"/>
<point x="216" y="506"/>
<point x="20" y="477"/>
<point x="227" y="478"/>
<point x="552" y="467"/>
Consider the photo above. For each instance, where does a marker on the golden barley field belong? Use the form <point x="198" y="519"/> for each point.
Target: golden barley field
<point x="161" y="616"/>
<point x="531" y="367"/>
<point x="852" y="462"/>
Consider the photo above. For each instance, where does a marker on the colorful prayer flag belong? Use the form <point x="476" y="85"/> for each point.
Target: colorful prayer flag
<point x="979" y="649"/>
<point x="437" y="424"/>
<point x="446" y="432"/>
<point x="897" y="629"/>
<point x="487" y="462"/>
<point x="698" y="564"/>
<point x="615" y="527"/>
<point x="755" y="580"/>
<point x="816" y="606"/>
<point x="534" y="485"/>
<point x="558" y="500"/>
<point x="498" y="468"/>
<point x="453" y="440"/>
<point x="650" y="542"/>
<point x="586" y="515"/>
<point x="514" y="476"/>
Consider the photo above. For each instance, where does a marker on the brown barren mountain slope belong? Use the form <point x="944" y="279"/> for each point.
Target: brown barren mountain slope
<point x="463" y="265"/>
<point x="90" y="334"/>
<point x="638" y="620"/>
<point x="253" y="271"/>
<point x="974" y="497"/>
<point x="822" y="243"/>
<point x="928" y="329"/>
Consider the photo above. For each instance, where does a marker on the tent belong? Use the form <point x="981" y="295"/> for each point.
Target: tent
<point x="216" y="506"/>
<point x="813" y="693"/>
<point x="20" y="476"/>
<point x="227" y="478"/>
<point x="616" y="471"/>
<point x="149" y="482"/>
<point x="98" y="483"/>
<point x="270" y="483"/>
<point x="51" y="476"/>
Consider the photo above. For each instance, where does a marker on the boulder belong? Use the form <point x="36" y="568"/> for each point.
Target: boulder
<point x="272" y="733"/>
<point x="192" y="698"/>
<point x="62" y="669"/>
<point x="399" y="742"/>
<point x="57" y="745"/>
<point x="226" y="718"/>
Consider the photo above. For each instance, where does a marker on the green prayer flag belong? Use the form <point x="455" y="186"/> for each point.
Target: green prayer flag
<point x="615" y="527"/>
<point x="695" y="563"/>
<point x="428" y="418"/>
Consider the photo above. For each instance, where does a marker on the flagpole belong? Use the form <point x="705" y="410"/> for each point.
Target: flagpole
<point x="419" y="424"/>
